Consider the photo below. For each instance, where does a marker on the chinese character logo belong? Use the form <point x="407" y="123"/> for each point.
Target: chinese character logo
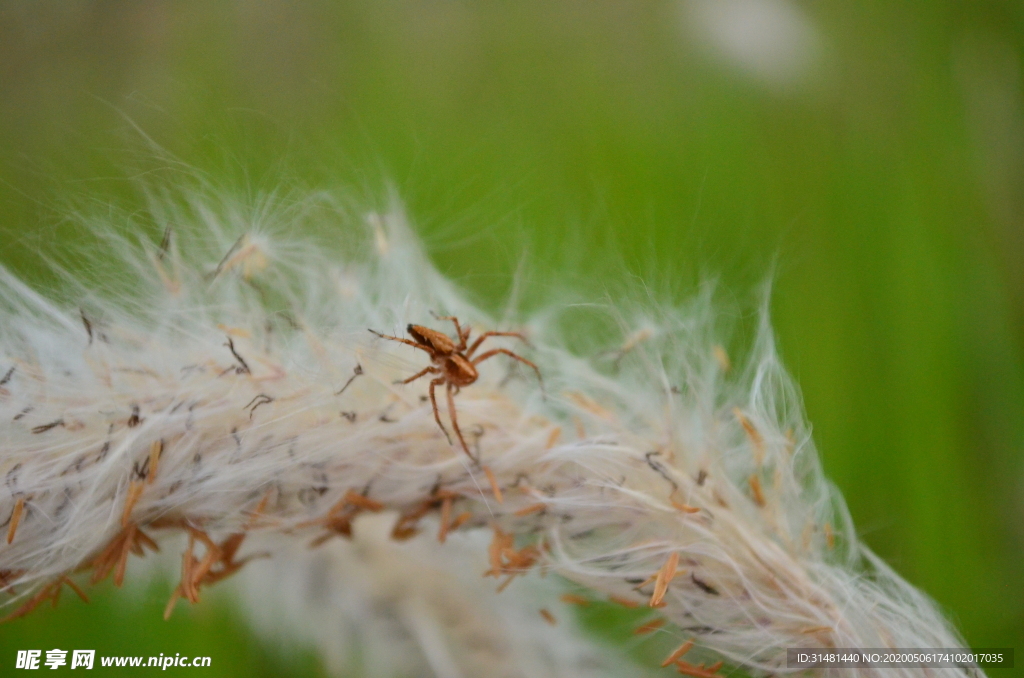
<point x="82" y="658"/>
<point x="28" y="659"/>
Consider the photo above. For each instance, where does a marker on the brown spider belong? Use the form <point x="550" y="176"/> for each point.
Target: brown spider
<point x="454" y="363"/>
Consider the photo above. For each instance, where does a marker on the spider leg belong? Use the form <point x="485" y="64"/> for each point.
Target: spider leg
<point x="433" y="401"/>
<point x="428" y="369"/>
<point x="405" y="341"/>
<point x="462" y="334"/>
<point x="455" y="421"/>
<point x="480" y="340"/>
<point x="490" y="354"/>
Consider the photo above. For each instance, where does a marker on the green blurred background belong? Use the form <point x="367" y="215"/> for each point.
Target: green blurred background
<point x="873" y="151"/>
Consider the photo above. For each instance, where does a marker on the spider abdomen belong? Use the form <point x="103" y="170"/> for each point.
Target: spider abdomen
<point x="441" y="343"/>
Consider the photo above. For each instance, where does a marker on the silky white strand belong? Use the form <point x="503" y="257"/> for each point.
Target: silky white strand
<point x="223" y="382"/>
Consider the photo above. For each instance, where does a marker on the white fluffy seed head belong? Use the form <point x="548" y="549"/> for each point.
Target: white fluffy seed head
<point x="224" y="380"/>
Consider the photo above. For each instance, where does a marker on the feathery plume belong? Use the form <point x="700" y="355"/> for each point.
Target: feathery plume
<point x="224" y="385"/>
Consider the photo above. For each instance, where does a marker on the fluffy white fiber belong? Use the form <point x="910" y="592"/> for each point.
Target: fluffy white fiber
<point x="223" y="382"/>
<point x="377" y="607"/>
